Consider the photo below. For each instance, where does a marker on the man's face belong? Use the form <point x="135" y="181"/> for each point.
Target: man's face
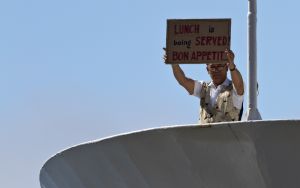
<point x="217" y="72"/>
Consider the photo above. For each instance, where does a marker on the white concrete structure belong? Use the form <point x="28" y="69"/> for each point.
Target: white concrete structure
<point x="260" y="154"/>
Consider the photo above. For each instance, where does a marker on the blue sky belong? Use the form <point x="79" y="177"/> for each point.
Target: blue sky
<point x="75" y="71"/>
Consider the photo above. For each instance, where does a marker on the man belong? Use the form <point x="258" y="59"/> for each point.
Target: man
<point x="221" y="99"/>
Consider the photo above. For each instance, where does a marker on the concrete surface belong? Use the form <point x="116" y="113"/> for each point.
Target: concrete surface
<point x="260" y="154"/>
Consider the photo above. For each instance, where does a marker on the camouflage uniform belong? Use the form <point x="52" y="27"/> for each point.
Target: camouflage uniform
<point x="222" y="110"/>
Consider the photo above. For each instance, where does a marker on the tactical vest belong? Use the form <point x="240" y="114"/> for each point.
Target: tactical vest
<point x="223" y="110"/>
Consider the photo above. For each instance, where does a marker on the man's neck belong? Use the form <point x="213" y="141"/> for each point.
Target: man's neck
<point x="220" y="83"/>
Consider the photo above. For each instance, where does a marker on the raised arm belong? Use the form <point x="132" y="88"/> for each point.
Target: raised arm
<point x="236" y="76"/>
<point x="185" y="82"/>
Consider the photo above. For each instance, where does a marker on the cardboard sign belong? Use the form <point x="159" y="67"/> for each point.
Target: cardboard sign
<point x="197" y="41"/>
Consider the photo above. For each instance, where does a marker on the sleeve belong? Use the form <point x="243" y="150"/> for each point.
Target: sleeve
<point x="237" y="99"/>
<point x="197" y="88"/>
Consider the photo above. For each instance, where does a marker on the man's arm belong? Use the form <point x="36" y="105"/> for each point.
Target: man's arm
<point x="187" y="83"/>
<point x="236" y="76"/>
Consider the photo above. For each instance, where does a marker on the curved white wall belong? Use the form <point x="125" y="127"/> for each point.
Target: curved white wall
<point x="241" y="154"/>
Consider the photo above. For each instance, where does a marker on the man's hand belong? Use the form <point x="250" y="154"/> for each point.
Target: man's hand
<point x="165" y="56"/>
<point x="230" y="57"/>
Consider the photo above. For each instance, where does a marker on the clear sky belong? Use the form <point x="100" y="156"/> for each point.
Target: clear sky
<point x="72" y="71"/>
